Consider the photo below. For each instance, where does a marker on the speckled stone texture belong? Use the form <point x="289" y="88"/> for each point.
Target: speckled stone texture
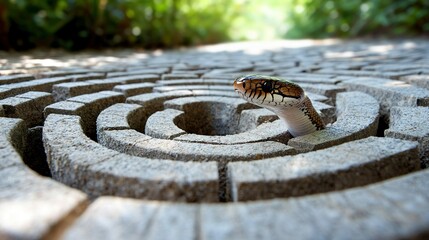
<point x="132" y="144"/>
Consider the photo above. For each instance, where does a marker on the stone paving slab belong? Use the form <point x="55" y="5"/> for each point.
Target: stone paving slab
<point x="411" y="124"/>
<point x="391" y="210"/>
<point x="347" y="165"/>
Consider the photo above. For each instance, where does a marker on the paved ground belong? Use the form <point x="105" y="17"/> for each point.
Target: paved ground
<point x="129" y="144"/>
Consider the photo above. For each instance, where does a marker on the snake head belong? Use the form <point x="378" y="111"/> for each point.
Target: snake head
<point x="269" y="92"/>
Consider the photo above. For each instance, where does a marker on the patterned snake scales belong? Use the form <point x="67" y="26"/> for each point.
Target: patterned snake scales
<point x="286" y="99"/>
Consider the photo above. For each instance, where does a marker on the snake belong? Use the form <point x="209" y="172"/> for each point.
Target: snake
<point x="285" y="98"/>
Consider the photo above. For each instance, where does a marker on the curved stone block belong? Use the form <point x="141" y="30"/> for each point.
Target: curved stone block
<point x="347" y="165"/>
<point x="389" y="92"/>
<point x="28" y="106"/>
<point x="357" y="117"/>
<point x="87" y="106"/>
<point x="139" y="144"/>
<point x="411" y="124"/>
<point x="13" y="133"/>
<point x="77" y="161"/>
<point x="395" y="209"/>
<point x="30" y="205"/>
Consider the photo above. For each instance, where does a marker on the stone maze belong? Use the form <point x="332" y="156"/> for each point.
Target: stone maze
<point x="125" y="144"/>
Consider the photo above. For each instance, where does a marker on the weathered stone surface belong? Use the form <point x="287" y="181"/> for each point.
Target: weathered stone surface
<point x="363" y="73"/>
<point x="169" y="76"/>
<point x="300" y="218"/>
<point x="12" y="141"/>
<point x="389" y="92"/>
<point x="30" y="205"/>
<point x="174" y="82"/>
<point x="15" y="78"/>
<point x="138" y="144"/>
<point x="67" y="90"/>
<point x="42" y="85"/>
<point x="379" y="211"/>
<point x="121" y="116"/>
<point x="99" y="171"/>
<point x="193" y="87"/>
<point x="28" y="106"/>
<point x="347" y="165"/>
<point x="162" y="124"/>
<point x="323" y="89"/>
<point x="134" y="88"/>
<point x="357" y="117"/>
<point x="149" y="220"/>
<point x="310" y="78"/>
<point x="418" y="80"/>
<point x="411" y="124"/>
<point x="87" y="106"/>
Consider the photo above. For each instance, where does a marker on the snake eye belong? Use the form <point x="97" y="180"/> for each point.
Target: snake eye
<point x="244" y="85"/>
<point x="267" y="86"/>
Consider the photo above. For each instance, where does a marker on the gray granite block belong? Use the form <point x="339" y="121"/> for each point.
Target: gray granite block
<point x="389" y="92"/>
<point x="138" y="144"/>
<point x="357" y="117"/>
<point x="193" y="87"/>
<point x="64" y="72"/>
<point x="394" y="209"/>
<point x="162" y="124"/>
<point x="417" y="80"/>
<point x="121" y="116"/>
<point x="32" y="206"/>
<point x="411" y="124"/>
<point x="87" y="106"/>
<point x="28" y="106"/>
<point x="310" y="78"/>
<point x="347" y="165"/>
<point x="251" y="118"/>
<point x="15" y="78"/>
<point x="149" y="220"/>
<point x="77" y="161"/>
<point x="363" y="73"/>
<point x="195" y="82"/>
<point x="134" y="88"/>
<point x="323" y="89"/>
<point x="152" y="102"/>
<point x="64" y="91"/>
<point x="13" y="135"/>
<point x="170" y="76"/>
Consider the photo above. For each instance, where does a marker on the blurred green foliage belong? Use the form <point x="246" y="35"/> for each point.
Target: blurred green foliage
<point x="353" y="18"/>
<point x="79" y="24"/>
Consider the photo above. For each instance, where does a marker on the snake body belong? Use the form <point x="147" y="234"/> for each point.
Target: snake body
<point x="286" y="99"/>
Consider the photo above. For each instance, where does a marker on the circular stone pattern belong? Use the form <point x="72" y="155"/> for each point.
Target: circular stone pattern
<point x="162" y="143"/>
